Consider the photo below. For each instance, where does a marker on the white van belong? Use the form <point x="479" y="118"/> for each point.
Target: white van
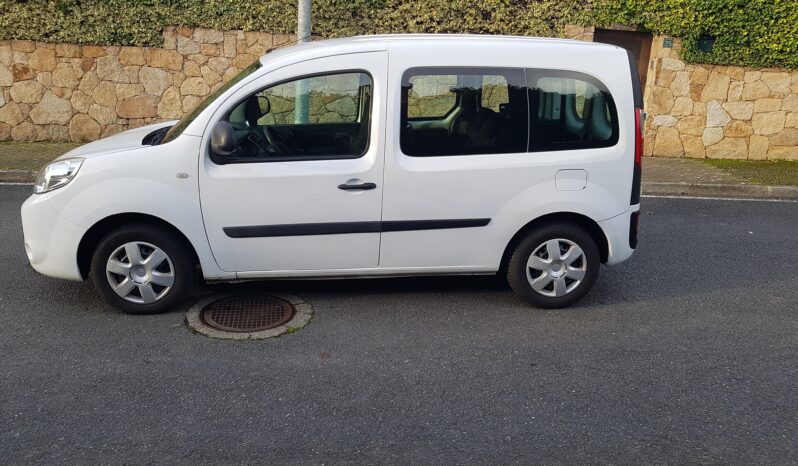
<point x="362" y="157"/>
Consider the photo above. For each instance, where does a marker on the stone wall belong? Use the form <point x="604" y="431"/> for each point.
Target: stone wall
<point x="726" y="112"/>
<point x="62" y="92"/>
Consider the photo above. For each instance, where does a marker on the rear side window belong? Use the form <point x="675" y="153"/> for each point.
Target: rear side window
<point x="495" y="92"/>
<point x="431" y="96"/>
<point x="463" y="111"/>
<point x="569" y="110"/>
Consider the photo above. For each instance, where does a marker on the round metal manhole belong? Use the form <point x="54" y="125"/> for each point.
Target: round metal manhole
<point x="248" y="316"/>
<point x="247" y="313"/>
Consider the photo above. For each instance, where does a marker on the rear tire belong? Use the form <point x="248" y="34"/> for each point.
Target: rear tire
<point x="554" y="266"/>
<point x="142" y="269"/>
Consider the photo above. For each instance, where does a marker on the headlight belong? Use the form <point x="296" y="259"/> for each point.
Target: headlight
<point x="56" y="175"/>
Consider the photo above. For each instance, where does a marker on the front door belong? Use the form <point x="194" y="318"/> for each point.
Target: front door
<point x="303" y="192"/>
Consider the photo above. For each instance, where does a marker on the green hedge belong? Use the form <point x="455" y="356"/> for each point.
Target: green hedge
<point x="140" y="22"/>
<point x="748" y="32"/>
<point x="760" y="33"/>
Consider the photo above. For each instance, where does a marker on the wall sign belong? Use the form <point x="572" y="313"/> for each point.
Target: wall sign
<point x="667" y="43"/>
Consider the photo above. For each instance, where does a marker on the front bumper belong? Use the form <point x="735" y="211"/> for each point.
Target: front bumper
<point x="616" y="229"/>
<point x="51" y="241"/>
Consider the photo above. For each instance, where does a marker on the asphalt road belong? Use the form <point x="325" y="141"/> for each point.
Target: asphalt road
<point x="688" y="353"/>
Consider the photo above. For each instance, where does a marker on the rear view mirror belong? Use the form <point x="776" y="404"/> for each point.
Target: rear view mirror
<point x="223" y="143"/>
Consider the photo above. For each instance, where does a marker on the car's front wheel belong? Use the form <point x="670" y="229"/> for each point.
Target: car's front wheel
<point x="554" y="266"/>
<point x="142" y="269"/>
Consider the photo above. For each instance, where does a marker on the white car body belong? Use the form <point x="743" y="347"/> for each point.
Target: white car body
<point x="178" y="183"/>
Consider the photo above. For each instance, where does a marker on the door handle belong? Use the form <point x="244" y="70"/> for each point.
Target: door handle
<point x="357" y="187"/>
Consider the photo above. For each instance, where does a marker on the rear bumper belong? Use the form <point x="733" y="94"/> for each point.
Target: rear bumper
<point x="617" y="229"/>
<point x="51" y="241"/>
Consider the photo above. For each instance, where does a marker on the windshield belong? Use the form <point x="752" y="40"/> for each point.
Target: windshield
<point x="178" y="128"/>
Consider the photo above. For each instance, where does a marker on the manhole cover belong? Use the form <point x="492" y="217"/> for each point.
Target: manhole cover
<point x="247" y="313"/>
<point x="248" y="316"/>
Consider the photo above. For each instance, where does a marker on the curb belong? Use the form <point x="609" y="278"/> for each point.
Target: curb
<point x="734" y="191"/>
<point x="17" y="176"/>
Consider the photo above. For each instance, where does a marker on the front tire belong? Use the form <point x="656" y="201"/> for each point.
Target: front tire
<point x="554" y="266"/>
<point x="142" y="269"/>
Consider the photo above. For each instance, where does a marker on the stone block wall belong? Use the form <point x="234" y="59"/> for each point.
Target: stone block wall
<point x="62" y="92"/>
<point x="711" y="111"/>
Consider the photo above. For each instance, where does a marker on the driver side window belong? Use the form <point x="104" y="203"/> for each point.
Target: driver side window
<point x="317" y="117"/>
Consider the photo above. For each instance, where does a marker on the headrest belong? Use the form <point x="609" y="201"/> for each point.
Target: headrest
<point x="256" y="107"/>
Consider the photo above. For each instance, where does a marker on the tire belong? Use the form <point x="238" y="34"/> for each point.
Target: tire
<point x="156" y="281"/>
<point x="558" y="283"/>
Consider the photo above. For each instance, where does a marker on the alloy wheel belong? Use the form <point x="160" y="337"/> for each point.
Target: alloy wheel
<point x="556" y="267"/>
<point x="140" y="272"/>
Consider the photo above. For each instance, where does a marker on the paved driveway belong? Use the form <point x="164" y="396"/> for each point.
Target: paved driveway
<point x="685" y="354"/>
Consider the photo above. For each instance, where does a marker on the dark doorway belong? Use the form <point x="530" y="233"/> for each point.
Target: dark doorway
<point x="639" y="43"/>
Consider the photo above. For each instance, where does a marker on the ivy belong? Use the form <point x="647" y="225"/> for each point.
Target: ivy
<point x="747" y="32"/>
<point x="758" y="33"/>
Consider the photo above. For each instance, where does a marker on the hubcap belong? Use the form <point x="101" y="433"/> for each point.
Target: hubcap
<point x="140" y="272"/>
<point x="556" y="267"/>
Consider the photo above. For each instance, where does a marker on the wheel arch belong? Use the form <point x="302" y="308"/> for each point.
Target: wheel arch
<point x="581" y="221"/>
<point x="93" y="236"/>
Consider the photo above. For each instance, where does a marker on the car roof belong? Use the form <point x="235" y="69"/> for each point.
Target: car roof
<point x="386" y="41"/>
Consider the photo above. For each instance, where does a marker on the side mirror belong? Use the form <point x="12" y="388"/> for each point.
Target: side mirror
<point x="223" y="143"/>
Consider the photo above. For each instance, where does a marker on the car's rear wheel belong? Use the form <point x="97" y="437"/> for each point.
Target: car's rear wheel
<point x="554" y="266"/>
<point x="142" y="269"/>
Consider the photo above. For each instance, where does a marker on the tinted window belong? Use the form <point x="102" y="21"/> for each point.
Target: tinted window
<point x="431" y="96"/>
<point x="463" y="111"/>
<point x="317" y="117"/>
<point x="569" y="110"/>
<point x="494" y="92"/>
<point x="330" y="99"/>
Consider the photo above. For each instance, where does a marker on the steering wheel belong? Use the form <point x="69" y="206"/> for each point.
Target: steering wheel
<point x="271" y="138"/>
<point x="250" y="142"/>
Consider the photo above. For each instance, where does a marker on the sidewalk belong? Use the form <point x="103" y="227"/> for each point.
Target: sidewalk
<point x="665" y="176"/>
<point x="20" y="161"/>
<point x="662" y="176"/>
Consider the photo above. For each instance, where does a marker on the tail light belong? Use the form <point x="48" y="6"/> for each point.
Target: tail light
<point x="638" y="161"/>
<point x="639" y="118"/>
